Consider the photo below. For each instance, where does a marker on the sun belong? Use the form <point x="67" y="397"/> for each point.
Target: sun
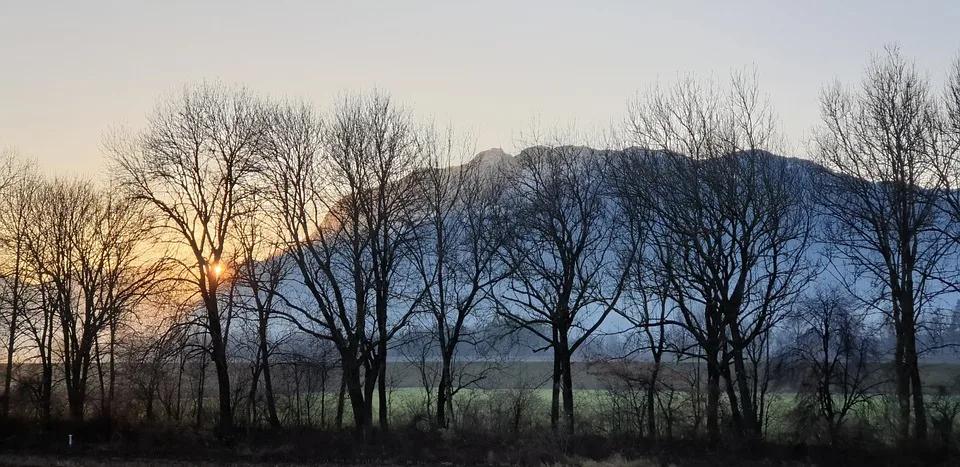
<point x="217" y="269"/>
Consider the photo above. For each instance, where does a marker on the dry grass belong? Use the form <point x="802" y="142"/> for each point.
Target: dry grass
<point x="615" y="460"/>
<point x="42" y="461"/>
<point x="618" y="461"/>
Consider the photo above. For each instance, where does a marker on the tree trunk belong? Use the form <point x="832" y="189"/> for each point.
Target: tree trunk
<point x="912" y="373"/>
<point x="442" y="395"/>
<point x="555" y="394"/>
<point x="362" y="419"/>
<point x="11" y="347"/>
<point x="370" y="379"/>
<point x="901" y="376"/>
<point x="112" y="381"/>
<point x="201" y="380"/>
<point x="76" y="389"/>
<point x="98" y="359"/>
<point x="341" y="395"/>
<point x="566" y="385"/>
<point x="323" y="397"/>
<point x="297" y="376"/>
<point x="713" y="396"/>
<point x="748" y="412"/>
<point x="444" y="390"/>
<point x="267" y="380"/>
<point x="252" y="396"/>
<point x="8" y="369"/>
<point x="149" y="408"/>
<point x="15" y="307"/>
<point x="219" y="357"/>
<point x="382" y="402"/>
<point x="735" y="414"/>
<point x="76" y="402"/>
<point x="180" y="372"/>
<point x="651" y="396"/>
<point x="46" y="391"/>
<point x="738" y="384"/>
<point x="381" y="358"/>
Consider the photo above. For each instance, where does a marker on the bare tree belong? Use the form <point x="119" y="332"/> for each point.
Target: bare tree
<point x="262" y="269"/>
<point x="328" y="253"/>
<point x="388" y="153"/>
<point x="345" y="204"/>
<point x="646" y="306"/>
<point x="195" y="164"/>
<point x="125" y="268"/>
<point x="563" y="251"/>
<point x="85" y="247"/>
<point x="40" y="326"/>
<point x="149" y="358"/>
<point x="458" y="255"/>
<point x="731" y="225"/>
<point x="167" y="353"/>
<point x="881" y="199"/>
<point x="15" y="276"/>
<point x="835" y="356"/>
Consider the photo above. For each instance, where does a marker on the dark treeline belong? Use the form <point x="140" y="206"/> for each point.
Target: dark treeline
<point x="260" y="263"/>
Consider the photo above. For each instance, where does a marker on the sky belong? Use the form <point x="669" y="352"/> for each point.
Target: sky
<point x="72" y="71"/>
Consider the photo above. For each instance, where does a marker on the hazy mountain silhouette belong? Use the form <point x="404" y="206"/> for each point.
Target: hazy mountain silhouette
<point x="493" y="162"/>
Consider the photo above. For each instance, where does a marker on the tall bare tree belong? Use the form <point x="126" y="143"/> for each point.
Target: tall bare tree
<point x="85" y="247"/>
<point x="321" y="235"/>
<point x="646" y="306"/>
<point x="262" y="269"/>
<point x="16" y="279"/>
<point x="567" y="272"/>
<point x="195" y="164"/>
<point x="59" y="211"/>
<point x="125" y="267"/>
<point x="731" y="225"/>
<point x="345" y="201"/>
<point x="385" y="156"/>
<point x="458" y="255"/>
<point x="881" y="197"/>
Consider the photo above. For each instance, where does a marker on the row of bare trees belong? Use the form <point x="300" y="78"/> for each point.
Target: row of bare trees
<point x="242" y="224"/>
<point x="892" y="146"/>
<point x="740" y="244"/>
<point x="78" y="260"/>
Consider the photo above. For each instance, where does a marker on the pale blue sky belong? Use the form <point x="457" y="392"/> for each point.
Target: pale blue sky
<point x="71" y="70"/>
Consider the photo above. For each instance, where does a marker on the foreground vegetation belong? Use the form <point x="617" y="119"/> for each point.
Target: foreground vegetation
<point x="507" y="423"/>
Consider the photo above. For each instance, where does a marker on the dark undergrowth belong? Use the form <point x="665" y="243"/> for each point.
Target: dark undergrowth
<point x="99" y="440"/>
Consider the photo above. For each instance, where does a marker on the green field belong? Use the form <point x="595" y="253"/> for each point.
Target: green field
<point x="518" y="396"/>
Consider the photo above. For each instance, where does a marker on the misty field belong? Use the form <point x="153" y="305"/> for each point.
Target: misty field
<point x="517" y="396"/>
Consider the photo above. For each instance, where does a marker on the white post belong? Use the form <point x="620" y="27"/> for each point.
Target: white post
<point x="70" y="440"/>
